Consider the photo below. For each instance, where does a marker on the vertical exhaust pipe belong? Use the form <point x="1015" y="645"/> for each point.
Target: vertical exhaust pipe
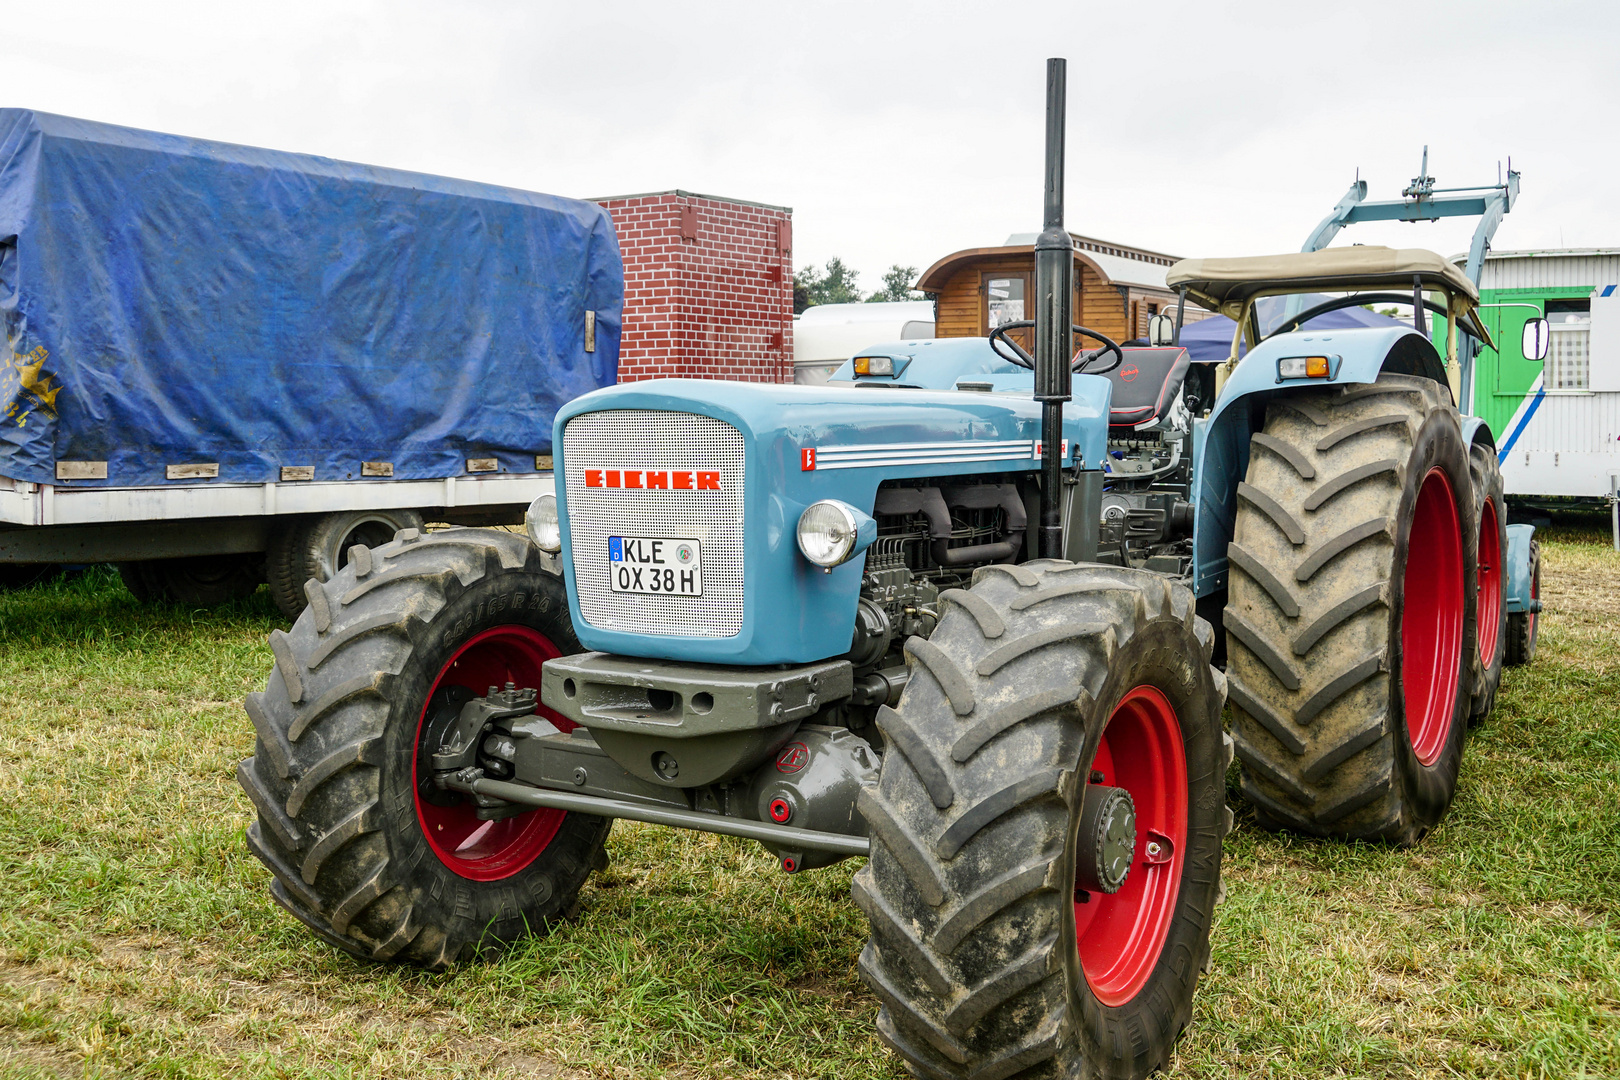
<point x="1054" y="303"/>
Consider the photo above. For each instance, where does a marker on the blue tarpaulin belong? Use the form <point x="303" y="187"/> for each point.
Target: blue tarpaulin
<point x="1209" y="341"/>
<point x="173" y="301"/>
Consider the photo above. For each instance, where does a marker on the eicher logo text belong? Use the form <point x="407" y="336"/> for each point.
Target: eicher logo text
<point x="651" y="480"/>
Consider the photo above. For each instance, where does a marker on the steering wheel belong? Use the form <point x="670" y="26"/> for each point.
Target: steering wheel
<point x="1082" y="360"/>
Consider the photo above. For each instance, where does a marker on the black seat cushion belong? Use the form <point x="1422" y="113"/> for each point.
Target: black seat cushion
<point x="1146" y="384"/>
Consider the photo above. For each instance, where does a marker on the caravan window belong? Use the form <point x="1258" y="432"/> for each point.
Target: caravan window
<point x="1004" y="299"/>
<point x="1569" y="353"/>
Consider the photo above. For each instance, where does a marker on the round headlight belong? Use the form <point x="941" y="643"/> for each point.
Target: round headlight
<point x="827" y="532"/>
<point x="543" y="525"/>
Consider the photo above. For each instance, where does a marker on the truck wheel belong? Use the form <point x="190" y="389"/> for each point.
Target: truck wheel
<point x="364" y="849"/>
<point x="1350" y="617"/>
<point x="195" y="581"/>
<point x="141" y="579"/>
<point x="318" y="547"/>
<point x="1491" y="561"/>
<point x="22" y="575"/>
<point x="1522" y="626"/>
<point x="1053" y="703"/>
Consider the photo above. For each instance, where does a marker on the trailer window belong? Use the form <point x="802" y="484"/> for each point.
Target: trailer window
<point x="1003" y="300"/>
<point x="1569" y="353"/>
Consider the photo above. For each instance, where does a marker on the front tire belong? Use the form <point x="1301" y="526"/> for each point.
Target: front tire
<point x="988" y="958"/>
<point x="363" y="849"/>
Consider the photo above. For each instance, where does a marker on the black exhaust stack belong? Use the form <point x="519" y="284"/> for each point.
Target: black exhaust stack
<point x="1054" y="302"/>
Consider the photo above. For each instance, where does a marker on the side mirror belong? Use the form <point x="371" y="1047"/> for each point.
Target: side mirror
<point x="1536" y="338"/>
<point x="1161" y="330"/>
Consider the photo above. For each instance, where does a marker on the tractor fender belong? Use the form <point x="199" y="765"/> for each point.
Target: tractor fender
<point x="1221" y="441"/>
<point x="1476" y="430"/>
<point x="1516" y="592"/>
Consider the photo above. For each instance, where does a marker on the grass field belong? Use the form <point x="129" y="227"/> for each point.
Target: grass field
<point x="137" y="936"/>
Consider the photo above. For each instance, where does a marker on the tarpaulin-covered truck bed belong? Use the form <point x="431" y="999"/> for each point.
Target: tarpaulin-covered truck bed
<point x="174" y="302"/>
<point x="221" y="344"/>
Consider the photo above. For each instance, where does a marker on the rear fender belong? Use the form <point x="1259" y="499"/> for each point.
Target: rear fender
<point x="1221" y="442"/>
<point x="1476" y="430"/>
<point x="1517" y="593"/>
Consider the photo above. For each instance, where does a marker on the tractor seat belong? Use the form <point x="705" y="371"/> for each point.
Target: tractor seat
<point x="1146" y="383"/>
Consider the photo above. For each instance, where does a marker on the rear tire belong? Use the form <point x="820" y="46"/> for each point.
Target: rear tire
<point x="15" y="576"/>
<point x="985" y="963"/>
<point x="194" y="581"/>
<point x="1523" y="626"/>
<point x="1491" y="643"/>
<point x="364" y="851"/>
<point x="1351" y="614"/>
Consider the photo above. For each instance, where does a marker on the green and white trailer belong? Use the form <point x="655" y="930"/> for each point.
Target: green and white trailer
<point x="1556" y="420"/>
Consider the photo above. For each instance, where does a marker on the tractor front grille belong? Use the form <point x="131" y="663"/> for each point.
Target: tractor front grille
<point x="647" y="440"/>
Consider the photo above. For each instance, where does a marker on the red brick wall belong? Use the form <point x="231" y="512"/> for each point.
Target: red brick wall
<point x="708" y="286"/>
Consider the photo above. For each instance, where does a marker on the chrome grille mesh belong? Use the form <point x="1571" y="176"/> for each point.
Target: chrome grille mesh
<point x="646" y="439"/>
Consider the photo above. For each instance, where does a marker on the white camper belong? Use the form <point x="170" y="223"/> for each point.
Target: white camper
<point x="828" y="334"/>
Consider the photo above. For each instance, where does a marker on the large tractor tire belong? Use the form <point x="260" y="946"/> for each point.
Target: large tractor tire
<point x="1350" y="614"/>
<point x="1491" y="642"/>
<point x="1523" y="626"/>
<point x="318" y="547"/>
<point x="362" y="847"/>
<point x="997" y="947"/>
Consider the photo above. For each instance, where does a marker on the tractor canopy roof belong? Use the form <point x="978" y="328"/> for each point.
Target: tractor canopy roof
<point x="1214" y="283"/>
<point x="1228" y="285"/>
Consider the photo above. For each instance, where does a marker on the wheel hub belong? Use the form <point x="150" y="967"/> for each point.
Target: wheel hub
<point x="495" y="843"/>
<point x="1120" y="933"/>
<point x="1107" y="839"/>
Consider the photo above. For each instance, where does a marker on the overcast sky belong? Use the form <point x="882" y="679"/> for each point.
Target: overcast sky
<point x="897" y="132"/>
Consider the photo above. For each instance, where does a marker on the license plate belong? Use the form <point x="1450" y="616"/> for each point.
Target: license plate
<point x="655" y="564"/>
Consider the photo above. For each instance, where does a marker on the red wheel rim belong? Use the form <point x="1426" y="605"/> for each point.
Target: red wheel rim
<point x="1120" y="936"/>
<point x="1432" y="619"/>
<point x="490" y="850"/>
<point x="1490" y="583"/>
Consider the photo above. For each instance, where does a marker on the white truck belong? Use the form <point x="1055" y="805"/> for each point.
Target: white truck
<point x="230" y="365"/>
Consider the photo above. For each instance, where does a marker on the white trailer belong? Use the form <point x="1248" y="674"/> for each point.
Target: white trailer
<point x="828" y="334"/>
<point x="1557" y="421"/>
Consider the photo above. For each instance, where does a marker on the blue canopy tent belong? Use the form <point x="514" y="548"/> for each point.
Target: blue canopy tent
<point x="1209" y="341"/>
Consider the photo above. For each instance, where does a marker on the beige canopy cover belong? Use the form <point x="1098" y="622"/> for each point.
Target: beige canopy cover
<point x="1225" y="285"/>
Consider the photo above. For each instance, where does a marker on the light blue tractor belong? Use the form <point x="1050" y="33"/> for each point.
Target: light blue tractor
<point x="955" y="611"/>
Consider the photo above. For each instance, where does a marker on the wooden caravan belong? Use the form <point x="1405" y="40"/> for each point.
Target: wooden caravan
<point x="1117" y="288"/>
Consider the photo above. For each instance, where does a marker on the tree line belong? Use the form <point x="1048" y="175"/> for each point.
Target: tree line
<point x="837" y="283"/>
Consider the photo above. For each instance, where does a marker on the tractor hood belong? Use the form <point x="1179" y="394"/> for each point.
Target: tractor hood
<point x="732" y="466"/>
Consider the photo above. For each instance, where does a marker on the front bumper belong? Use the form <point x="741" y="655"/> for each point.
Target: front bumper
<point x="687" y="725"/>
